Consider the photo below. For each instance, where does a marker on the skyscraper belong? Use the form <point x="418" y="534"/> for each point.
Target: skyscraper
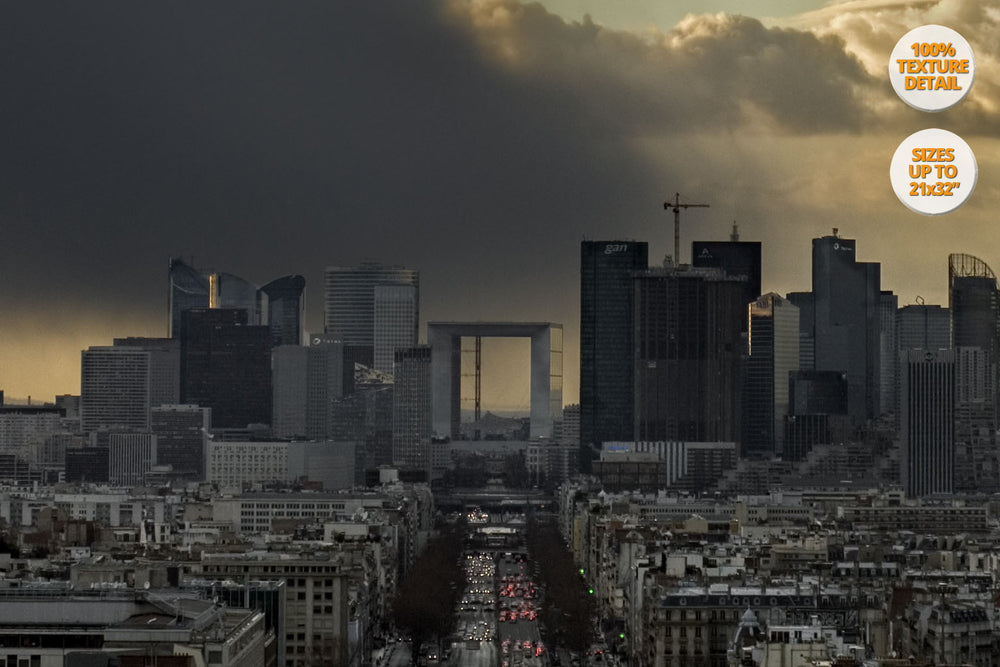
<point x="975" y="315"/>
<point x="888" y="351"/>
<point x="977" y="460"/>
<point x="806" y="304"/>
<point x="164" y="367"/>
<point x="688" y="349"/>
<point x="365" y="418"/>
<point x="226" y="366"/>
<point x="279" y="304"/>
<point x="920" y="326"/>
<point x="927" y="461"/>
<point x="350" y="299"/>
<point x="188" y="289"/>
<point x="395" y="322"/>
<point x="774" y="354"/>
<point x="737" y="258"/>
<point x="329" y="377"/>
<point x="114" y="388"/>
<point x="228" y="291"/>
<point x="847" y="299"/>
<point x="974" y="303"/>
<point x="411" y="415"/>
<point x="180" y="432"/>
<point x="607" y="383"/>
<point x="306" y="380"/>
<point x="289" y="390"/>
<point x="817" y="412"/>
<point x="286" y="309"/>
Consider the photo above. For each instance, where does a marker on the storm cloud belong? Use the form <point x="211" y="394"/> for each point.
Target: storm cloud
<point x="477" y="141"/>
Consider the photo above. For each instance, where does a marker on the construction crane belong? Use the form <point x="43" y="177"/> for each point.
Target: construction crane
<point x="677" y="206"/>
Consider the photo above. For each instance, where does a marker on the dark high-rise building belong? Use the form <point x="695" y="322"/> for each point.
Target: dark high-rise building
<point x="288" y="391"/>
<point x="847" y="327"/>
<point x="975" y="304"/>
<point x="977" y="459"/>
<point x="818" y="392"/>
<point x="975" y="316"/>
<point x="188" y="289"/>
<point x="888" y="351"/>
<point x="919" y="326"/>
<point x="739" y="259"/>
<point x="927" y="460"/>
<point x="817" y="412"/>
<point x="607" y="381"/>
<point x="688" y="349"/>
<point x="226" y="366"/>
<point x="411" y="414"/>
<point x="774" y="355"/>
<point x="179" y="431"/>
<point x="87" y="464"/>
<point x="285" y="309"/>
<point x="280" y="304"/>
<point x="226" y="290"/>
<point x="365" y="418"/>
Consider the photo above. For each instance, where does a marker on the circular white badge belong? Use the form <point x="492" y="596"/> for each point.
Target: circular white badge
<point x="933" y="171"/>
<point x="932" y="68"/>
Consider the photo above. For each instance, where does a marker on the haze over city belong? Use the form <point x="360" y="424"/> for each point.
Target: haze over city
<point x="475" y="141"/>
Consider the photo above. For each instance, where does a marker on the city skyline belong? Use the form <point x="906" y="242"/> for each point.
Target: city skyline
<point x="478" y="143"/>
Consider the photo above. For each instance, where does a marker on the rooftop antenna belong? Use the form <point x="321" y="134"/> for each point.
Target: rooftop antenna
<point x="676" y="207"/>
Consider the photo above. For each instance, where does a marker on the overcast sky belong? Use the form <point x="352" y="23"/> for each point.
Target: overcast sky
<point x="476" y="141"/>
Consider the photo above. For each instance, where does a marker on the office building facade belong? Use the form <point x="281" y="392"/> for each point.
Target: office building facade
<point x="349" y="303"/>
<point x="739" y="259"/>
<point x="180" y="438"/>
<point x="329" y="377"/>
<point x="130" y="457"/>
<point x="888" y="351"/>
<point x="921" y="326"/>
<point x="188" y="289"/>
<point x="395" y="323"/>
<point x="228" y="291"/>
<point x="688" y="349"/>
<point x="280" y="304"/>
<point x="974" y="303"/>
<point x="411" y="414"/>
<point x="289" y="390"/>
<point x="847" y="326"/>
<point x="114" y="388"/>
<point x="927" y="456"/>
<point x="977" y="459"/>
<point x="164" y="367"/>
<point x="607" y="383"/>
<point x="773" y="356"/>
<point x="285" y="307"/>
<point x="226" y="366"/>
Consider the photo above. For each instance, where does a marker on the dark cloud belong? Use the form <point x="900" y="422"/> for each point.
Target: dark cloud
<point x="339" y="129"/>
<point x="476" y="141"/>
